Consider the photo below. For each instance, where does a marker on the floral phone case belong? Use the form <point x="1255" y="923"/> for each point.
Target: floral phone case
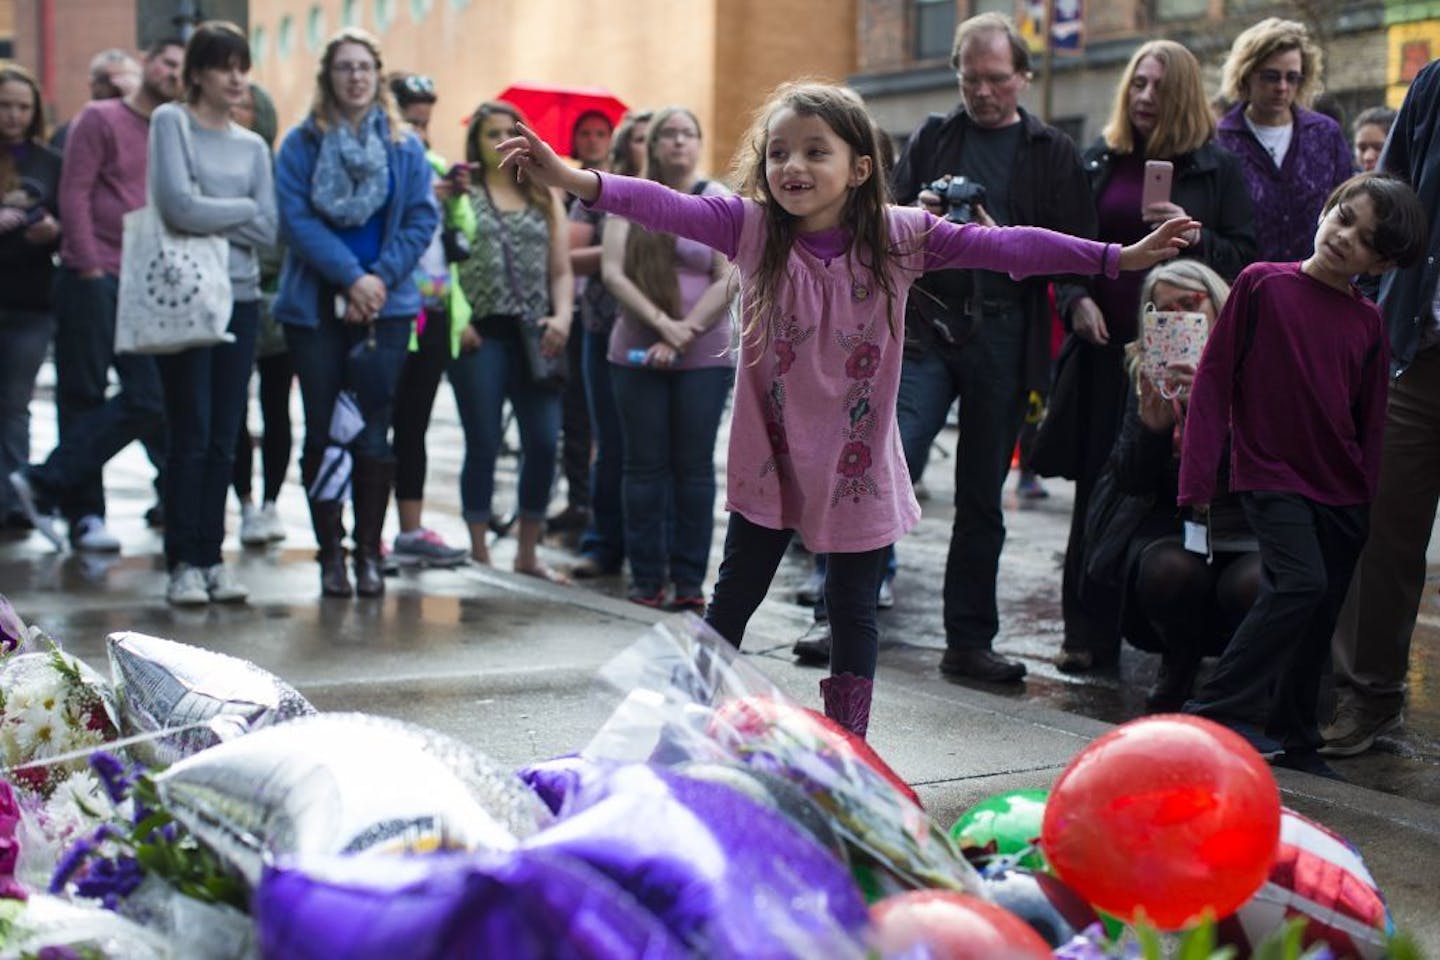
<point x="1171" y="337"/>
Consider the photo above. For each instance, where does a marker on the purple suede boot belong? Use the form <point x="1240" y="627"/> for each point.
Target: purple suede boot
<point x="847" y="701"/>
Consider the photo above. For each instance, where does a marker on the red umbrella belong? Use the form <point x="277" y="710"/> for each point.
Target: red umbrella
<point x="554" y="110"/>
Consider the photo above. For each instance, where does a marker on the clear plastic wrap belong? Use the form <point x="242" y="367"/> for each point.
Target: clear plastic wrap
<point x="46" y="921"/>
<point x="205" y="697"/>
<point x="692" y="698"/>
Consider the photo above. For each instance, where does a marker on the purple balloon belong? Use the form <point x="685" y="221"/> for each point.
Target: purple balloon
<point x="521" y="905"/>
<point x="728" y="876"/>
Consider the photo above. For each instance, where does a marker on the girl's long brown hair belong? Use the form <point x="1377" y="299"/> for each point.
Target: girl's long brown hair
<point x="649" y="255"/>
<point x="865" y="214"/>
<point x="536" y="194"/>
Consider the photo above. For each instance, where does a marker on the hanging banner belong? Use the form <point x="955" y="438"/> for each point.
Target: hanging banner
<point x="1067" y="32"/>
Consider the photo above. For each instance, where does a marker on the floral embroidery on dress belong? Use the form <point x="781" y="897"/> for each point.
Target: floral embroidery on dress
<point x="788" y="335"/>
<point x="855" y="460"/>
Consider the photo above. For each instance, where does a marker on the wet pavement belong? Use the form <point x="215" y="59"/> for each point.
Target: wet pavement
<point x="508" y="663"/>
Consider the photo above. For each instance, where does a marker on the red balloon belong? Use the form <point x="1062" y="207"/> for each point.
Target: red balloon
<point x="757" y="717"/>
<point x="1170" y="815"/>
<point x="953" y="926"/>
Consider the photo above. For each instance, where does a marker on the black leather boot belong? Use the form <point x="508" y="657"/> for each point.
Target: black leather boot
<point x="326" y="517"/>
<point x="370" y="486"/>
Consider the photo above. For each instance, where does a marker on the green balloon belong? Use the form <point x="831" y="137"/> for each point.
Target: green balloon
<point x="1010" y="820"/>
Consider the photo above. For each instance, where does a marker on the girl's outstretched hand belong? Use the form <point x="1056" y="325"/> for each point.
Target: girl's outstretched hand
<point x="529" y="156"/>
<point x="1164" y="242"/>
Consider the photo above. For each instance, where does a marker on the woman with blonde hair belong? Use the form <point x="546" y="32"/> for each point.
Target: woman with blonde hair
<point x="1160" y="112"/>
<point x="1180" y="604"/>
<point x="1292" y="156"/>
<point x="353" y="188"/>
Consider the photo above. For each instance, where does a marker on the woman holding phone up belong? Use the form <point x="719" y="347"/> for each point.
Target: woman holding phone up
<point x="1160" y="113"/>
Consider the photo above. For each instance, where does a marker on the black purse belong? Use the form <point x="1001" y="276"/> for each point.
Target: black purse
<point x="546" y="372"/>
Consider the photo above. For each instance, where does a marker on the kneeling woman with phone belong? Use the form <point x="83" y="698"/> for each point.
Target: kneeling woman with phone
<point x="1160" y="113"/>
<point x="1183" y="586"/>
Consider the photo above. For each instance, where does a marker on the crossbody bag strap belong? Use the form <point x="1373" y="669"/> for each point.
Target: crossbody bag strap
<point x="505" y="251"/>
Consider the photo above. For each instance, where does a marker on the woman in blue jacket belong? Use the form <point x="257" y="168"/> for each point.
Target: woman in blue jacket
<point x="353" y="188"/>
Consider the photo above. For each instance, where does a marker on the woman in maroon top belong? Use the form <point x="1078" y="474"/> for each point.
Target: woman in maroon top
<point x="1160" y="113"/>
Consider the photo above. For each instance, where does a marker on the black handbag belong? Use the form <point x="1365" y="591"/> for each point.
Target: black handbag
<point x="546" y="372"/>
<point x="1056" y="451"/>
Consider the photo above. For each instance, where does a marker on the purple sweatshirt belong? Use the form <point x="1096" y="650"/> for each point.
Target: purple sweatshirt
<point x="814" y="444"/>
<point x="1288" y="199"/>
<point x="1306" y="414"/>
<point x="101" y="180"/>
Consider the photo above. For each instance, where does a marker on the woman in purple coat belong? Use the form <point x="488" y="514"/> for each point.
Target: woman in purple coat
<point x="1292" y="156"/>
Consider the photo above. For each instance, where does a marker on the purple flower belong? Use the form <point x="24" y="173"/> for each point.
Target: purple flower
<point x="112" y="774"/>
<point x="109" y="880"/>
<point x="12" y="628"/>
<point x="59" y="953"/>
<point x="72" y="861"/>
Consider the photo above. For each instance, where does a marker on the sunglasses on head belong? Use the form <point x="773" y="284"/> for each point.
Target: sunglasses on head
<point x="420" y="84"/>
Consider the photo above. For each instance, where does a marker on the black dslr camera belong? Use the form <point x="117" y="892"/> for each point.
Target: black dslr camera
<point x="959" y="195"/>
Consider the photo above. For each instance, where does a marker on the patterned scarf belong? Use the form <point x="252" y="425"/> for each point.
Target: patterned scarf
<point x="352" y="174"/>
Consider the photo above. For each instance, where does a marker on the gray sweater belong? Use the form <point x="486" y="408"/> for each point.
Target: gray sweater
<point x="232" y="192"/>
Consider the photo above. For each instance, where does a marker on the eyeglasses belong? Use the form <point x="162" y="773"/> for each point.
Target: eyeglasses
<point x="974" y="81"/>
<point x="1273" y="77"/>
<point x="1188" y="303"/>
<point x="670" y="133"/>
<point x="419" y="84"/>
<point x="354" y="68"/>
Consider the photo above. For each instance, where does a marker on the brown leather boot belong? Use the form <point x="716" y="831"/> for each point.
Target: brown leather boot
<point x="847" y="701"/>
<point x="326" y="517"/>
<point x="370" y="486"/>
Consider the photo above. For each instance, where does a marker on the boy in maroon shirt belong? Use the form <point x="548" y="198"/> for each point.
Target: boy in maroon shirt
<point x="1295" y="375"/>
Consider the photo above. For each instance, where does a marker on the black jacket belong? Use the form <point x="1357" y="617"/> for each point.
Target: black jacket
<point x="25" y="269"/>
<point x="1047" y="189"/>
<point x="1412" y="151"/>
<point x="1209" y="186"/>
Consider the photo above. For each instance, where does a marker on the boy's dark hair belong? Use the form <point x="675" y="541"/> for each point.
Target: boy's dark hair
<point x="214" y="44"/>
<point x="1401" y="225"/>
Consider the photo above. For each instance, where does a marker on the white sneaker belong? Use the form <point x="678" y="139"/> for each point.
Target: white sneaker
<point x="187" y="587"/>
<point x="89" y="533"/>
<point x="271" y="523"/>
<point x="252" y="526"/>
<point x="222" y="587"/>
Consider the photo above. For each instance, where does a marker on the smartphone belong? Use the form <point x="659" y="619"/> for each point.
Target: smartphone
<point x="1158" y="174"/>
<point x="1170" y="337"/>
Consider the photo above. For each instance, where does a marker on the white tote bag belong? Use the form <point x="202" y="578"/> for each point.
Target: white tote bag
<point x="174" y="287"/>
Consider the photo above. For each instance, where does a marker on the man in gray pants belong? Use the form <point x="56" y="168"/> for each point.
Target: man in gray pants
<point x="1372" y="639"/>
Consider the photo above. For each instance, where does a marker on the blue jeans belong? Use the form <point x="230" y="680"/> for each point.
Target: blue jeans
<point x="604" y="539"/>
<point x="320" y="355"/>
<point x="24" y="337"/>
<point x="93" y="429"/>
<point x="206" y="391"/>
<point x="987" y="373"/>
<point x="752" y="554"/>
<point x="482" y="380"/>
<point x="669" y="421"/>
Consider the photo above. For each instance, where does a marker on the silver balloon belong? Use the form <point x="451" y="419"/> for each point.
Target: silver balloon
<point x="347" y="784"/>
<point x="164" y="685"/>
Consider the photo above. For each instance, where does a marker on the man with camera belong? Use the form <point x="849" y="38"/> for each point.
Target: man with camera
<point x="980" y="335"/>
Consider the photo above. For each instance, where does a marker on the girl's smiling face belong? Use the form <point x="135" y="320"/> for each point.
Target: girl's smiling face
<point x="809" y="170"/>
